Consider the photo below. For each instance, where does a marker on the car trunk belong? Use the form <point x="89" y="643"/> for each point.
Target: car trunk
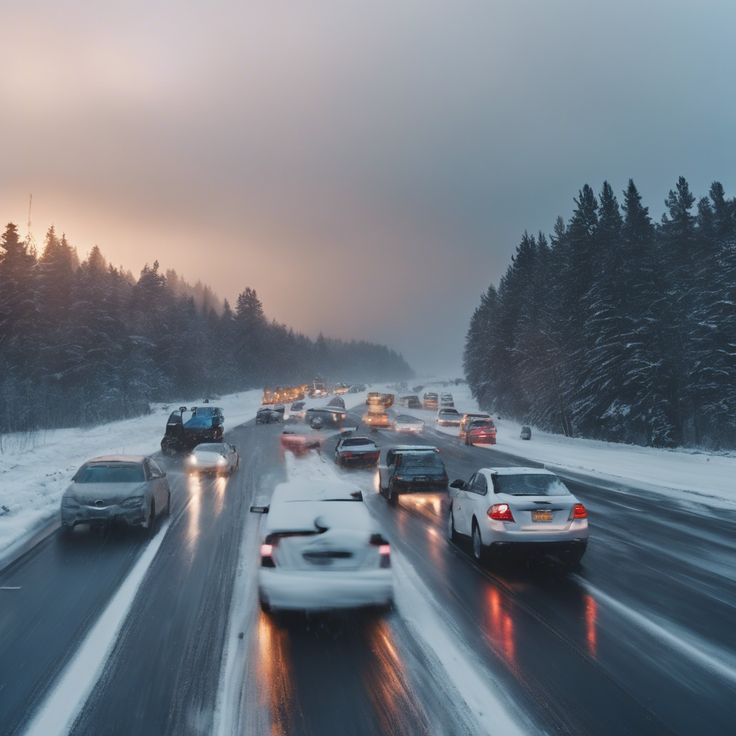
<point x="541" y="513"/>
<point x="336" y="550"/>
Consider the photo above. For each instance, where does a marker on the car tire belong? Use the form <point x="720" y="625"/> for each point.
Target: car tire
<point x="67" y="532"/>
<point x="451" y="532"/>
<point x="264" y="604"/>
<point x="391" y="497"/>
<point x="477" y="547"/>
<point x="167" y="510"/>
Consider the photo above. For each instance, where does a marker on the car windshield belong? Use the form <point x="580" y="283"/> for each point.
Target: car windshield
<point x="530" y="485"/>
<point x="482" y="424"/>
<point x="111" y="473"/>
<point x="448" y="413"/>
<point x="212" y="447"/>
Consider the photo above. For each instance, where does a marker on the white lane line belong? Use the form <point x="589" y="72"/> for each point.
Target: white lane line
<point x="682" y="641"/>
<point x="9" y="587"/>
<point x="67" y="696"/>
<point x="494" y="710"/>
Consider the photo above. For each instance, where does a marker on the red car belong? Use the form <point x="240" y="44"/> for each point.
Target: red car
<point x="299" y="443"/>
<point x="481" y="432"/>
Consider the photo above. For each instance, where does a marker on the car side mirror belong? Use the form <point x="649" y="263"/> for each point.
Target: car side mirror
<point x="461" y="485"/>
<point x="259" y="509"/>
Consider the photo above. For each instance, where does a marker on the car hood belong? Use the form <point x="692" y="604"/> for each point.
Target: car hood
<point x="207" y="458"/>
<point x="109" y="492"/>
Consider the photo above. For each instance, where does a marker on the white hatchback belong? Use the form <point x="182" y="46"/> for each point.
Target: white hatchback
<point x="322" y="550"/>
<point x="527" y="509"/>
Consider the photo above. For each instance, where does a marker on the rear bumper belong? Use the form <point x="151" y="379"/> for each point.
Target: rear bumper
<point x="424" y="487"/>
<point x="304" y="590"/>
<point x="359" y="461"/>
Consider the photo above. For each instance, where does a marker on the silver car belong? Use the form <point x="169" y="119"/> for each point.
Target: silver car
<point x="219" y="458"/>
<point x="117" y="488"/>
<point x="527" y="509"/>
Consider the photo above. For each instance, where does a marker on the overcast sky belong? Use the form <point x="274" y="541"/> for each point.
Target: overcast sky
<point x="367" y="166"/>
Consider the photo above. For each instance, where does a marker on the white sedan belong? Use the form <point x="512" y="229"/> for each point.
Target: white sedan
<point x="219" y="458"/>
<point x="406" y="423"/>
<point x="526" y="509"/>
<point x="322" y="550"/>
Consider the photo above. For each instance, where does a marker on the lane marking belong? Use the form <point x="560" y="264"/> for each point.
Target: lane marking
<point x="690" y="650"/>
<point x="69" y="694"/>
<point x="9" y="587"/>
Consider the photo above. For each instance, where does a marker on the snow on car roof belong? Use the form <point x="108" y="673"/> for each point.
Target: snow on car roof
<point x="517" y="471"/>
<point x="117" y="459"/>
<point x="414" y="448"/>
<point x="314" y="490"/>
<point x="291" y="516"/>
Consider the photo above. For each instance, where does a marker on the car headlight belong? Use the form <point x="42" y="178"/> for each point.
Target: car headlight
<point x="133" y="502"/>
<point x="221" y="460"/>
<point x="192" y="459"/>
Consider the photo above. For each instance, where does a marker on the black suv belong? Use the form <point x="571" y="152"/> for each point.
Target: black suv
<point x="412" y="469"/>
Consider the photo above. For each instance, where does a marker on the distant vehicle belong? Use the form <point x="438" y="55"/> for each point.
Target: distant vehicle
<point x="297" y="411"/>
<point x="340" y="388"/>
<point x="376" y="398"/>
<point x="356" y="451"/>
<point x="431" y="400"/>
<point x="377" y="420"/>
<point x="336" y="402"/>
<point x="268" y="415"/>
<point x="406" y="423"/>
<point x="129" y="489"/>
<point x="325" y="418"/>
<point x="318" y="389"/>
<point x="525" y="509"/>
<point x="448" y="417"/>
<point x="446" y="400"/>
<point x="481" y="432"/>
<point x="357" y="388"/>
<point x="526" y="432"/>
<point x="299" y="442"/>
<point x="467" y="419"/>
<point x="411" y="469"/>
<point x="410" y="402"/>
<point x="186" y="428"/>
<point x="417" y="389"/>
<point x="220" y="458"/>
<point x="322" y="550"/>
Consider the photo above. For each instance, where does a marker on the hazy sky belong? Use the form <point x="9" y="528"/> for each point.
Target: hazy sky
<point x="367" y="166"/>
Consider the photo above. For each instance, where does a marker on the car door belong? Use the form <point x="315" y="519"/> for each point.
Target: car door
<point x="476" y="504"/>
<point x="158" y="483"/>
<point x="384" y="470"/>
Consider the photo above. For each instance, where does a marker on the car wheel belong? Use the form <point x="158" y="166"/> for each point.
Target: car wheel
<point x="167" y="510"/>
<point x="451" y="533"/>
<point x="392" y="497"/>
<point x="479" y="552"/>
<point x="264" y="604"/>
<point x="67" y="532"/>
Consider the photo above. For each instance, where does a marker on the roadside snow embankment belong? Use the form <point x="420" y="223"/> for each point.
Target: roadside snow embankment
<point x="689" y="475"/>
<point x="35" y="468"/>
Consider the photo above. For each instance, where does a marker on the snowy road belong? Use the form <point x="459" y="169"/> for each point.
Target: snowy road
<point x="639" y="641"/>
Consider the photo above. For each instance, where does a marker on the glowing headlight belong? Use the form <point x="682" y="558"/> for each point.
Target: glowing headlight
<point x="192" y="459"/>
<point x="221" y="460"/>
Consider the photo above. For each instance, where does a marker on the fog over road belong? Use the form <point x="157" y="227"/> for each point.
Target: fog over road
<point x="640" y="640"/>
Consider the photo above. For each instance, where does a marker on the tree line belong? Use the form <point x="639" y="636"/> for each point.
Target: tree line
<point x="617" y="327"/>
<point x="83" y="342"/>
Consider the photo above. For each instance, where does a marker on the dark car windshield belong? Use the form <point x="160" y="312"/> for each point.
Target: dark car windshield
<point x="357" y="441"/>
<point x="112" y="473"/>
<point x="530" y="485"/>
<point x="213" y="447"/>
<point x="482" y="424"/>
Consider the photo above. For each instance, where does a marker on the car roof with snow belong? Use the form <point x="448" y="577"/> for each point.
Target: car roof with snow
<point x="516" y="471"/>
<point x="117" y="459"/>
<point x="315" y="490"/>
<point x="309" y="515"/>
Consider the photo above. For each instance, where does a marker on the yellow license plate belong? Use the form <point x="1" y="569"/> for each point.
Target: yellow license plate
<point x="542" y="515"/>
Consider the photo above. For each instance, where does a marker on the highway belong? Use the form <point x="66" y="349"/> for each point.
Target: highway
<point x="640" y="640"/>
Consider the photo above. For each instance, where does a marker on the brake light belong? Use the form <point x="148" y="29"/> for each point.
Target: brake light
<point x="579" y="511"/>
<point x="500" y="512"/>
<point x="384" y="551"/>
<point x="267" y="556"/>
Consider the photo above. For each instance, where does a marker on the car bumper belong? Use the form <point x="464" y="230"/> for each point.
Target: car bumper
<point x="70" y="517"/>
<point x="421" y="487"/>
<point x="574" y="537"/>
<point x="359" y="461"/>
<point x="304" y="590"/>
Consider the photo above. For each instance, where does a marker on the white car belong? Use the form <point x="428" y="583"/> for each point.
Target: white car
<point x="405" y="423"/>
<point x="528" y="509"/>
<point x="322" y="550"/>
<point x="219" y="458"/>
<point x="448" y="417"/>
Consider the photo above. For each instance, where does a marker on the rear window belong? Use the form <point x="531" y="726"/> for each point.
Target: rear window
<point x="211" y="448"/>
<point x="357" y="441"/>
<point x="530" y="485"/>
<point x="421" y="460"/>
<point x="112" y="473"/>
<point x="481" y="424"/>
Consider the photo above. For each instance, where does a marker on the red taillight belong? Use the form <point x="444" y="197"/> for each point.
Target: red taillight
<point x="579" y="511"/>
<point x="500" y="512"/>
<point x="384" y="550"/>
<point x="267" y="556"/>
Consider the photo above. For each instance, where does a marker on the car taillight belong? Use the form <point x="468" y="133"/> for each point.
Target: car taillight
<point x="579" y="512"/>
<point x="500" y="512"/>
<point x="385" y="552"/>
<point x="267" y="556"/>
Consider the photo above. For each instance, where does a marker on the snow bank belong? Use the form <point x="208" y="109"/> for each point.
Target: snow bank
<point x="35" y="468"/>
<point x="690" y="475"/>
